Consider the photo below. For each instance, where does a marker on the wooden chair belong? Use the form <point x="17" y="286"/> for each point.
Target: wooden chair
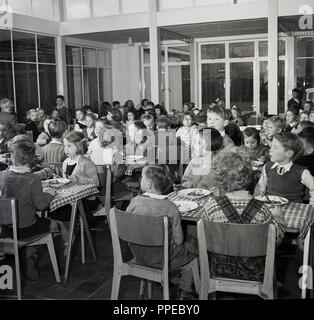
<point x="105" y="178"/>
<point x="307" y="277"/>
<point x="239" y="240"/>
<point x="8" y="216"/>
<point x="146" y="231"/>
<point x="55" y="166"/>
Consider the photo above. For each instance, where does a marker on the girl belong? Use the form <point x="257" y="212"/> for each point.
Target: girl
<point x="89" y="131"/>
<point x="208" y="143"/>
<point x="20" y="183"/>
<point x="129" y="125"/>
<point x="80" y="123"/>
<point x="115" y="118"/>
<point x="159" y="111"/>
<point x="79" y="169"/>
<point x="44" y="137"/>
<point x="186" y="134"/>
<point x="31" y="123"/>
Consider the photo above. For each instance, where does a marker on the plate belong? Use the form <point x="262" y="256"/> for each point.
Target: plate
<point x="194" y="193"/>
<point x="185" y="206"/>
<point x="132" y="159"/>
<point x="55" y="183"/>
<point x="279" y="201"/>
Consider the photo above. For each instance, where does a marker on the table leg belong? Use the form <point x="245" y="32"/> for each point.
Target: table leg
<point x="82" y="240"/>
<point x="89" y="237"/>
<point x="70" y="240"/>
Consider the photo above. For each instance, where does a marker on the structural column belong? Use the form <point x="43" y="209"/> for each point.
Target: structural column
<point x="61" y="66"/>
<point x="291" y="61"/>
<point x="193" y="75"/>
<point x="154" y="43"/>
<point x="272" y="56"/>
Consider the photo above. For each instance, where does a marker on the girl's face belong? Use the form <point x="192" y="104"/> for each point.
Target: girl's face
<point x="265" y="125"/>
<point x="70" y="149"/>
<point x="89" y="122"/>
<point x="40" y="113"/>
<point x="312" y="117"/>
<point x="33" y="116"/>
<point x="99" y="129"/>
<point x="304" y="117"/>
<point x="214" y="120"/>
<point x="157" y="112"/>
<point x="250" y="142"/>
<point x="79" y="115"/>
<point x="109" y="116"/>
<point x="138" y="136"/>
<point x="290" y="117"/>
<point x="129" y="104"/>
<point x="185" y="108"/>
<point x="55" y="114"/>
<point x="187" y="121"/>
<point x="130" y="116"/>
<point x="306" y="107"/>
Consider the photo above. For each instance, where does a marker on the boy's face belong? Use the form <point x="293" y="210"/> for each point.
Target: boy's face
<point x="290" y="117"/>
<point x="99" y="129"/>
<point x="215" y="120"/>
<point x="272" y="130"/>
<point x="79" y="115"/>
<point x="187" y="121"/>
<point x="89" y="122"/>
<point x="59" y="102"/>
<point x="278" y="153"/>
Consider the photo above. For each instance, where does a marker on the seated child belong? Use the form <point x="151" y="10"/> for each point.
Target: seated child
<point x="149" y="123"/>
<point x="129" y="124"/>
<point x="3" y="140"/>
<point x="31" y="124"/>
<point x="302" y="125"/>
<point x="201" y="120"/>
<point x="291" y="118"/>
<point x="89" y="131"/>
<point x="217" y="119"/>
<point x="20" y="183"/>
<point x="281" y="176"/>
<point x="305" y="116"/>
<point x="80" y="123"/>
<point x="307" y="159"/>
<point x="44" y="137"/>
<point x="156" y="179"/>
<point x="275" y="125"/>
<point x="208" y="143"/>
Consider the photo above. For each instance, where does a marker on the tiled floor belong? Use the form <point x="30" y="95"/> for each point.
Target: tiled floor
<point x="93" y="280"/>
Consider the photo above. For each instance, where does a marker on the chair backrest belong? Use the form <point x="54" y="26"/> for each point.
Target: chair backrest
<point x="239" y="240"/>
<point x="55" y="166"/>
<point x="104" y="175"/>
<point x="8" y="211"/>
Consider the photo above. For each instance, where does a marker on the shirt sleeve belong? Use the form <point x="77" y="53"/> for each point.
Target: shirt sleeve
<point x="40" y="198"/>
<point x="308" y="180"/>
<point x="187" y="180"/>
<point x="177" y="233"/>
<point x="262" y="183"/>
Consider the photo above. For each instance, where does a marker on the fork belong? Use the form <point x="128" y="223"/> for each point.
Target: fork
<point x="266" y="196"/>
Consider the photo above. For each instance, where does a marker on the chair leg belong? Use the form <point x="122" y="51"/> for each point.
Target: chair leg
<point x="18" y="277"/>
<point x="142" y="289"/>
<point x="53" y="258"/>
<point x="82" y="241"/>
<point x="166" y="290"/>
<point x="115" y="285"/>
<point x="149" y="289"/>
<point x="196" y="276"/>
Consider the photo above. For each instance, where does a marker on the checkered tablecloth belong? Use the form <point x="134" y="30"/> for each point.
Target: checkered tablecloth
<point x="71" y="193"/>
<point x="298" y="216"/>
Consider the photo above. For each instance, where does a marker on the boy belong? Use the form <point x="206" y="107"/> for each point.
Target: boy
<point x="156" y="180"/>
<point x="275" y="125"/>
<point x="291" y="118"/>
<point x="3" y="141"/>
<point x="281" y="176"/>
<point x="307" y="139"/>
<point x="217" y="119"/>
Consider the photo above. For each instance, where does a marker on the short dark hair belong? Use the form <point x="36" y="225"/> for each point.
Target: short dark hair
<point x="290" y="141"/>
<point x="308" y="135"/>
<point x="91" y="115"/>
<point x="295" y="90"/>
<point x="213" y="139"/>
<point x="163" y="122"/>
<point x="22" y="150"/>
<point x="60" y="96"/>
<point x="201" y="117"/>
<point x="116" y="114"/>
<point x="160" y="175"/>
<point x="57" y="128"/>
<point x="305" y="124"/>
<point x="221" y="111"/>
<point x="79" y="140"/>
<point x="114" y="103"/>
<point x="188" y="113"/>
<point x="294" y="110"/>
<point x="139" y="125"/>
<point x="252" y="132"/>
<point x="81" y="110"/>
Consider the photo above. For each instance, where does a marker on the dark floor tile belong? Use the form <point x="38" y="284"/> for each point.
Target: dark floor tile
<point x="56" y="292"/>
<point x="89" y="287"/>
<point x="102" y="293"/>
<point x="81" y="273"/>
<point x="76" y="295"/>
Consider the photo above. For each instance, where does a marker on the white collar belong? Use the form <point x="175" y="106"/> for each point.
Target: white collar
<point x="56" y="142"/>
<point x="287" y="166"/>
<point x="20" y="169"/>
<point x="223" y="133"/>
<point x="2" y="140"/>
<point x="155" y="196"/>
<point x="293" y="124"/>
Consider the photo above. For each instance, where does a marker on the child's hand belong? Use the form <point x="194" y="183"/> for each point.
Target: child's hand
<point x="215" y="191"/>
<point x="51" y="191"/>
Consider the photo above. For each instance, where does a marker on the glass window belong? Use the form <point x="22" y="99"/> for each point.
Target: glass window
<point x="147" y="92"/>
<point x="24" y="46"/>
<point x="20" y="6"/>
<point x="241" y="49"/>
<point x="305" y="74"/>
<point x="105" y="7"/>
<point x="48" y="87"/>
<point x="166" y="4"/>
<point x="281" y="47"/>
<point x="146" y="55"/>
<point x="179" y="54"/>
<point x="5" y="45"/>
<point x="131" y="6"/>
<point x="75" y="98"/>
<point x="43" y="9"/>
<point x="213" y="51"/>
<point x="241" y="85"/>
<point x="6" y="81"/>
<point x="104" y="58"/>
<point x="90" y="87"/>
<point x="281" y="86"/>
<point x="263" y="48"/>
<point x="263" y="90"/>
<point x="213" y="82"/>
<point x="105" y="81"/>
<point x="25" y="87"/>
<point x="77" y="9"/>
<point x="89" y="57"/>
<point x="73" y="55"/>
<point x="46" y="49"/>
<point x="305" y="47"/>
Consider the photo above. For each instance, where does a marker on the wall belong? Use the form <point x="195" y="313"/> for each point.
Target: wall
<point x="126" y="81"/>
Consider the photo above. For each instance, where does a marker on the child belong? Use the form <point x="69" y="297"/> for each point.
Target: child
<point x="308" y="106"/>
<point x="312" y="116"/>
<point x="54" y="151"/>
<point x="149" y="123"/>
<point x="3" y="141"/>
<point x="236" y="116"/>
<point x="129" y="125"/>
<point x="281" y="176"/>
<point x="305" y="116"/>
<point x="186" y="135"/>
<point x="44" y="137"/>
<point x="115" y="118"/>
<point x="302" y="125"/>
<point x="163" y="123"/>
<point x="31" y="123"/>
<point x="20" y="183"/>
<point x="156" y="179"/>
<point x="201" y="119"/>
<point x="291" y="118"/>
<point x="159" y="111"/>
<point x="55" y="114"/>
<point x="307" y="139"/>
<point x="208" y="143"/>
<point x="80" y="123"/>
<point x="275" y="125"/>
<point x="41" y="117"/>
<point x="89" y="131"/>
<point x="217" y="118"/>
